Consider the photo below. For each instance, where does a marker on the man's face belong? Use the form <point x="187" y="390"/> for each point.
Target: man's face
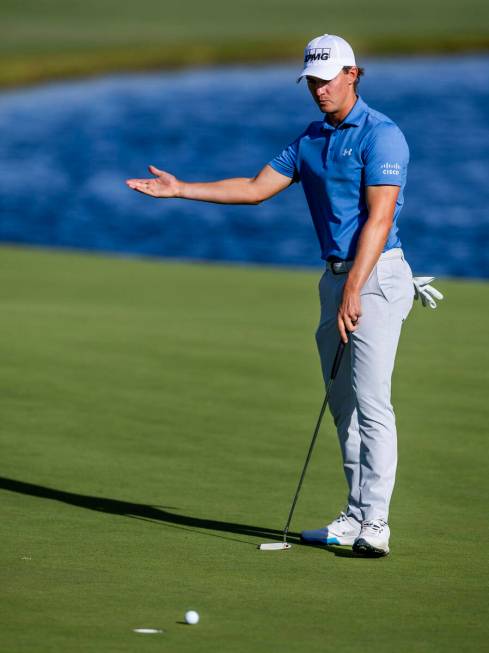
<point x="332" y="95"/>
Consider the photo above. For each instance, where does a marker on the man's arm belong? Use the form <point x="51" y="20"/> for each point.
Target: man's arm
<point x="239" y="190"/>
<point x="381" y="202"/>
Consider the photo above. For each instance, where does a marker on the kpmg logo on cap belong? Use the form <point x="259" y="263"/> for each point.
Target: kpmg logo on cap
<point x="317" y="54"/>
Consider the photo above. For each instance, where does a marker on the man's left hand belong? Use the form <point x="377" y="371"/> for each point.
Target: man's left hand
<point x="349" y="312"/>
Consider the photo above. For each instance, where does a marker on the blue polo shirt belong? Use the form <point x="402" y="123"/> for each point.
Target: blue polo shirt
<point x="335" y="164"/>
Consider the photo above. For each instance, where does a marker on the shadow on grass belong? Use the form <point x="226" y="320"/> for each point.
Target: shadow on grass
<point x="146" y="512"/>
<point x="342" y="551"/>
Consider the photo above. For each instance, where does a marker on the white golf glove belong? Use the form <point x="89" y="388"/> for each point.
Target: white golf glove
<point x="428" y="294"/>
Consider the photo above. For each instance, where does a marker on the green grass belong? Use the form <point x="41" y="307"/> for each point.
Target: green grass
<point x="155" y="417"/>
<point x="43" y="39"/>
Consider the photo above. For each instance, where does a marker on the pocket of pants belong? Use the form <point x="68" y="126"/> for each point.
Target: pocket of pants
<point x="371" y="286"/>
<point x="380" y="281"/>
<point x="395" y="283"/>
<point x="409" y="288"/>
<point x="386" y="280"/>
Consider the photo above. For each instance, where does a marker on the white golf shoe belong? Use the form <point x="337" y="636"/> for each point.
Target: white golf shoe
<point x="343" y="530"/>
<point x="373" y="539"/>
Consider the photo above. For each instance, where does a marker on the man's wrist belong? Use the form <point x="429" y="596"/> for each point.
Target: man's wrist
<point x="352" y="284"/>
<point x="180" y="189"/>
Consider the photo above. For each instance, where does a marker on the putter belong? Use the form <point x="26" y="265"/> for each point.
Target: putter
<point x="281" y="546"/>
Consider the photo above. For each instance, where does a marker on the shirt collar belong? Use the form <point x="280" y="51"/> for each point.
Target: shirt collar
<point x="352" y="119"/>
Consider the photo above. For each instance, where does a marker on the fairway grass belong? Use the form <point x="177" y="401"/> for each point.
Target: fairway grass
<point x="155" y="419"/>
<point x="56" y="39"/>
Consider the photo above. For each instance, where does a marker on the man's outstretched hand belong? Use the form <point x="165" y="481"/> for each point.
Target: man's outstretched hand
<point x="163" y="184"/>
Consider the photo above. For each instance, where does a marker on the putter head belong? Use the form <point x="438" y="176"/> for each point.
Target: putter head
<point x="274" y="546"/>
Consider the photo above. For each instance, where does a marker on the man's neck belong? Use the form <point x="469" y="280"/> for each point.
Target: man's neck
<point x="337" y="117"/>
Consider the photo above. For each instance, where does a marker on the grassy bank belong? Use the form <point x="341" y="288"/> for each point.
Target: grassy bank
<point x="155" y="417"/>
<point x="50" y="39"/>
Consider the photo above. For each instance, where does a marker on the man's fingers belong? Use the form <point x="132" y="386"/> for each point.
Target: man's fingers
<point x="155" y="171"/>
<point x="140" y="190"/>
<point x="144" y="191"/>
<point x="351" y="324"/>
<point x="141" y="185"/>
<point x="350" y="317"/>
<point x="342" y="330"/>
<point x="137" y="182"/>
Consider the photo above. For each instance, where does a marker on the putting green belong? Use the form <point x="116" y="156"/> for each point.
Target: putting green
<point x="55" y="38"/>
<point x="155" y="418"/>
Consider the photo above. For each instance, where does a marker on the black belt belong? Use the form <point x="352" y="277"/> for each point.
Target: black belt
<point x="338" y="266"/>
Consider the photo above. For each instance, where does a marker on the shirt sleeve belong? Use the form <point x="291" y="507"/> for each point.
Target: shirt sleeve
<point x="286" y="161"/>
<point x="386" y="157"/>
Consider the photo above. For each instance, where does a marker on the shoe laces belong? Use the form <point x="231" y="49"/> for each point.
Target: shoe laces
<point x="374" y="525"/>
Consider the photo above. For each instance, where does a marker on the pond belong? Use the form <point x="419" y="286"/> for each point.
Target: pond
<point x="68" y="147"/>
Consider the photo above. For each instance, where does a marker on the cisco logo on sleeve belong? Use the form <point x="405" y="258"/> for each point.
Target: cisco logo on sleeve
<point x="317" y="54"/>
<point x="391" y="169"/>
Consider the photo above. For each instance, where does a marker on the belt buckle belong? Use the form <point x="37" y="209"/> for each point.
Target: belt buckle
<point x="338" y="267"/>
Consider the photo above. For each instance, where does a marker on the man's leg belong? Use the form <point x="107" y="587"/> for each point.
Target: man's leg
<point x="360" y="395"/>
<point x="386" y="301"/>
<point x="342" y="401"/>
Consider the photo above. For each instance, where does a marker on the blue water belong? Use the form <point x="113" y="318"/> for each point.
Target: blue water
<point x="68" y="147"/>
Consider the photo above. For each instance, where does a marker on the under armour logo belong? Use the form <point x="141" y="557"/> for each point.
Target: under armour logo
<point x="347" y="152"/>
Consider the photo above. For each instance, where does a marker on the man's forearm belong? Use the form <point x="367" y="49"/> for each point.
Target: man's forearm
<point x="239" y="190"/>
<point x="381" y="202"/>
<point x="370" y="246"/>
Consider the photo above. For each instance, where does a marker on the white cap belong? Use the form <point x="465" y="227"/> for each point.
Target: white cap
<point x="325" y="56"/>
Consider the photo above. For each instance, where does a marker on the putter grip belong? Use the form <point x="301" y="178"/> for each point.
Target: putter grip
<point x="337" y="359"/>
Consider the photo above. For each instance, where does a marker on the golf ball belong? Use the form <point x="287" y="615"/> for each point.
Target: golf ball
<point x="192" y="617"/>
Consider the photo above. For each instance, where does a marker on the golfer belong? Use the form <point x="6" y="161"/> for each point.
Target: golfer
<point x="352" y="166"/>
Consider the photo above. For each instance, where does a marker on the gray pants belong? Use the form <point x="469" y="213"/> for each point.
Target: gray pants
<point x="360" y="399"/>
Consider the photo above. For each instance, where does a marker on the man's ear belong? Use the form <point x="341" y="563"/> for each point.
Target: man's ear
<point x="352" y="74"/>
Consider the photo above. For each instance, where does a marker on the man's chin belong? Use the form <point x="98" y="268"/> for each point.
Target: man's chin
<point x="326" y="107"/>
